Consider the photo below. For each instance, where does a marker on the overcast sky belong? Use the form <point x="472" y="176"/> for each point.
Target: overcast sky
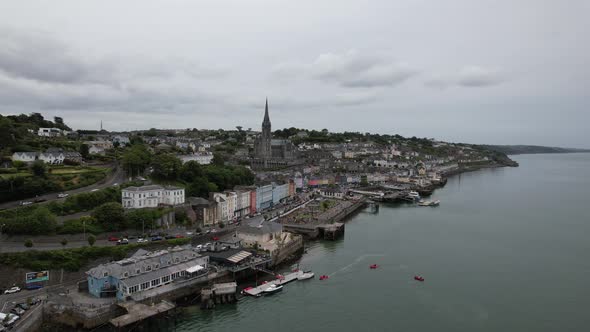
<point x="498" y="71"/>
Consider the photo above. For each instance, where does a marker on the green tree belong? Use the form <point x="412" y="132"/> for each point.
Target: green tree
<point x="64" y="242"/>
<point x="110" y="215"/>
<point x="136" y="159"/>
<point x="166" y="166"/>
<point x="218" y="159"/>
<point x="91" y="240"/>
<point x="84" y="150"/>
<point x="28" y="243"/>
<point x="38" y="168"/>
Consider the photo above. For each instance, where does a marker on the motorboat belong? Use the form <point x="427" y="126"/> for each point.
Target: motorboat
<point x="306" y="275"/>
<point x="429" y="203"/>
<point x="419" y="278"/>
<point x="414" y="195"/>
<point x="373" y="266"/>
<point x="273" y="289"/>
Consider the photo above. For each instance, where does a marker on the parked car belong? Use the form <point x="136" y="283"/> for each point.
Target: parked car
<point x="8" y="319"/>
<point x="179" y="236"/>
<point x="215" y="238"/>
<point x="62" y="195"/>
<point x="39" y="199"/>
<point x="169" y="237"/>
<point x="23" y="203"/>
<point x="17" y="311"/>
<point x="199" y="247"/>
<point x="113" y="238"/>
<point x="12" y="290"/>
<point x="93" y="190"/>
<point x="189" y="233"/>
<point x="208" y="231"/>
<point x="142" y="240"/>
<point x="157" y="238"/>
<point x="23" y="306"/>
<point x="35" y="300"/>
<point x="122" y="241"/>
<point x="213" y="230"/>
<point x="115" y="184"/>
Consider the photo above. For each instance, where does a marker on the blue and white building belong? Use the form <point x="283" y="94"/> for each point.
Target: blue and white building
<point x="144" y="271"/>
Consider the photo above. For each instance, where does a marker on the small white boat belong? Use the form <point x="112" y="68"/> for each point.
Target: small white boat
<point x="273" y="289"/>
<point x="429" y="203"/>
<point x="414" y="195"/>
<point x="306" y="275"/>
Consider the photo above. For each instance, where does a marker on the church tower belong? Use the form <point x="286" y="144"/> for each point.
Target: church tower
<point x="266" y="134"/>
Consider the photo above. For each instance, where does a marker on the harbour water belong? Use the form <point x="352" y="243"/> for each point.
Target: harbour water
<point x="507" y="250"/>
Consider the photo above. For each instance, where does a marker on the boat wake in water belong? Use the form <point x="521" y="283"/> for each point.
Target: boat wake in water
<point x="356" y="261"/>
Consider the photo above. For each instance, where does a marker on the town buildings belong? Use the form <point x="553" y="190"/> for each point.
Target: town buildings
<point x="151" y="196"/>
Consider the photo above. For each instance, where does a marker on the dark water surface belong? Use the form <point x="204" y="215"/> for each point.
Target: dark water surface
<point x="507" y="250"/>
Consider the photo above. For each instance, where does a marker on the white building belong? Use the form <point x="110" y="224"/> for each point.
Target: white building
<point x="151" y="196"/>
<point x="98" y="147"/>
<point x="203" y="158"/>
<point x="49" y="132"/>
<point x="121" y="139"/>
<point x="222" y="210"/>
<point x="26" y="157"/>
<point x="51" y="158"/>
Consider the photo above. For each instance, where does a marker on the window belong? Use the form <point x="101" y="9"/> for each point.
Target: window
<point x="105" y="274"/>
<point x="126" y="274"/>
<point x="155" y="282"/>
<point x="177" y="259"/>
<point x="148" y="268"/>
<point x="145" y="285"/>
<point x="165" y="279"/>
<point x="156" y="266"/>
<point x="137" y="271"/>
<point x="169" y="262"/>
<point x="185" y="258"/>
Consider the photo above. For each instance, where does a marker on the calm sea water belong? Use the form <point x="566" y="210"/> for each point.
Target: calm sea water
<point x="507" y="250"/>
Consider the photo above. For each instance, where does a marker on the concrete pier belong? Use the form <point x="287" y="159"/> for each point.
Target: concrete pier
<point x="218" y="294"/>
<point x="137" y="312"/>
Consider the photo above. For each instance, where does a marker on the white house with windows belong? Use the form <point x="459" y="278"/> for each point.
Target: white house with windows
<point x="151" y="196"/>
<point x="50" y="132"/>
<point x="51" y="158"/>
<point x="26" y="157"/>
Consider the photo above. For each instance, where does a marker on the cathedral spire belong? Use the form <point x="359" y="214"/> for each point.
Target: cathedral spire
<point x="266" y="117"/>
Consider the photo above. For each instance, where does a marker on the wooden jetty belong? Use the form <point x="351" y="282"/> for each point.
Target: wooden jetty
<point x="287" y="278"/>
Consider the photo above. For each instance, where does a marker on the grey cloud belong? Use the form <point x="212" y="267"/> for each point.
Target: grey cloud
<point x="475" y="76"/>
<point x="468" y="76"/>
<point x="350" y="69"/>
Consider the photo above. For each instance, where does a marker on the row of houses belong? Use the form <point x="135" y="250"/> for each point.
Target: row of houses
<point x="49" y="157"/>
<point x="226" y="206"/>
<point x="243" y="201"/>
